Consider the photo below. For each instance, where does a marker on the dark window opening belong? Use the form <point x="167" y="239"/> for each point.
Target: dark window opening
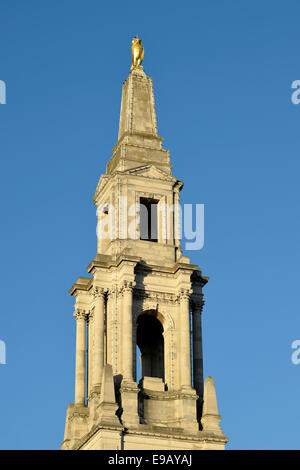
<point x="150" y="341"/>
<point x="148" y="219"/>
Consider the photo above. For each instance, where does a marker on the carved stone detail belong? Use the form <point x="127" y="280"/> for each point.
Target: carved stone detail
<point x="184" y="294"/>
<point x="197" y="303"/>
<point x="98" y="292"/>
<point x="127" y="286"/>
<point x="113" y="294"/>
<point x="90" y="317"/>
<point x="158" y="297"/>
<point x="80" y="314"/>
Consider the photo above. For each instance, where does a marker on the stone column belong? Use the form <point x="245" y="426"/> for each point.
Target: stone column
<point x="98" y="327"/>
<point x="90" y="349"/>
<point x="185" y="340"/>
<point x="188" y="415"/>
<point x="177" y="219"/>
<point x="128" y="390"/>
<point x="197" y="349"/>
<point x="80" y="369"/>
<point x="127" y="331"/>
<point x="112" y="327"/>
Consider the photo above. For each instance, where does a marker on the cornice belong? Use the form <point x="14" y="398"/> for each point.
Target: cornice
<point x="105" y="261"/>
<point x="82" y="284"/>
<point x="153" y="431"/>
<point x="177" y="433"/>
<point x="93" y="431"/>
<point x="169" y="395"/>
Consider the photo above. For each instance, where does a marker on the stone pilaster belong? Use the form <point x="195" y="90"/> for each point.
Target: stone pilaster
<point x="187" y="411"/>
<point x="113" y="327"/>
<point x="109" y="326"/>
<point x="127" y="331"/>
<point x="129" y="390"/>
<point x="98" y="345"/>
<point x="185" y="341"/>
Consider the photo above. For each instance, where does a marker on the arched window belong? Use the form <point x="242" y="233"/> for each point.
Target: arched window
<point x="150" y="341"/>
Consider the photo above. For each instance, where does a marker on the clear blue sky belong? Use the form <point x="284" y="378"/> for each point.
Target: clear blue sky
<point x="222" y="73"/>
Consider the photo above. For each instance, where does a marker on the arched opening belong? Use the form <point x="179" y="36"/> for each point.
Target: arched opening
<point x="150" y="341"/>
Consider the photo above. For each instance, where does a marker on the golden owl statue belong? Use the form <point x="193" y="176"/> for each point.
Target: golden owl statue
<point x="137" y="53"/>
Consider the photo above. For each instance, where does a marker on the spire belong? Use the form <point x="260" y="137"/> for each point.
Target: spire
<point x="137" y="107"/>
<point x="138" y="141"/>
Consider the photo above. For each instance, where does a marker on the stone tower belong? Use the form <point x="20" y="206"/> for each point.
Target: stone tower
<point x="141" y="293"/>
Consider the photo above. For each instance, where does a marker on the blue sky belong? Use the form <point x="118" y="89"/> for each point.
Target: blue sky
<point x="222" y="73"/>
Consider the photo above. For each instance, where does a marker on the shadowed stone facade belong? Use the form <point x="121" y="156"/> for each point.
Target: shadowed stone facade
<point x="143" y="293"/>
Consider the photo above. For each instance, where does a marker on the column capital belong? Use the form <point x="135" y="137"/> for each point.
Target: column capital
<point x="184" y="294"/>
<point x="112" y="290"/>
<point x="197" y="305"/>
<point x="127" y="286"/>
<point x="80" y="314"/>
<point x="90" y="316"/>
<point x="98" y="292"/>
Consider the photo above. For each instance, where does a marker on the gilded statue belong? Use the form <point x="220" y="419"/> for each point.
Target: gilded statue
<point x="137" y="52"/>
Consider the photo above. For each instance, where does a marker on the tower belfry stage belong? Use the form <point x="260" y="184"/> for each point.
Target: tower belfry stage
<point x="141" y="295"/>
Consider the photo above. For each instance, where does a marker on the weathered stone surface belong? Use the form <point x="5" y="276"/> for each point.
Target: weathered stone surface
<point x="133" y="279"/>
<point x="210" y="415"/>
<point x="154" y="384"/>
